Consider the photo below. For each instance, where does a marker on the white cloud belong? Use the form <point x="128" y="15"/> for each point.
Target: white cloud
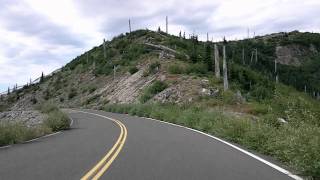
<point x="41" y="35"/>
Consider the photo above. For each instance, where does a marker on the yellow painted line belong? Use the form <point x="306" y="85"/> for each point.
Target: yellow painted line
<point x="98" y="170"/>
<point x="107" y="165"/>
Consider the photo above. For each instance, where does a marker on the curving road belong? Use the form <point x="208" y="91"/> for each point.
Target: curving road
<point x="104" y="145"/>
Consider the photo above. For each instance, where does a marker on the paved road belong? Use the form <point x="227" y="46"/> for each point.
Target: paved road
<point x="133" y="148"/>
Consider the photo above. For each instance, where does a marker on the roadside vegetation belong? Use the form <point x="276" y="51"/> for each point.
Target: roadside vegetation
<point x="295" y="143"/>
<point x="11" y="133"/>
<point x="152" y="90"/>
<point x="56" y="120"/>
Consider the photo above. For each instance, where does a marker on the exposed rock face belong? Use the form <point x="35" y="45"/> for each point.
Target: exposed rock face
<point x="127" y="88"/>
<point x="29" y="118"/>
<point x="287" y="55"/>
<point x="292" y="54"/>
<point x="184" y="90"/>
<point x="25" y="103"/>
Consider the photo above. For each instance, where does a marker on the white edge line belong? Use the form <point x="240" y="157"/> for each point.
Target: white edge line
<point x="35" y="139"/>
<point x="114" y="120"/>
<point x="288" y="173"/>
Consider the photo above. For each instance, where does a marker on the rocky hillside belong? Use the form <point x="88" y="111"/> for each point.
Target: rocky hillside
<point x="122" y="71"/>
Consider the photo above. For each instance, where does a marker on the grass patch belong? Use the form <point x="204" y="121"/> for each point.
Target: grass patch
<point x="152" y="90"/>
<point x="11" y="133"/>
<point x="176" y="69"/>
<point x="133" y="70"/>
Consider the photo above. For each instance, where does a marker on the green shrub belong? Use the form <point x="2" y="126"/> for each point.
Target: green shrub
<point x="72" y="93"/>
<point x="46" y="94"/>
<point x="47" y="107"/>
<point x="259" y="109"/>
<point x="33" y="100"/>
<point x="154" y="67"/>
<point x="11" y="133"/>
<point x="92" y="88"/>
<point x="57" y="120"/>
<point x="176" y="69"/>
<point x="261" y="92"/>
<point x="134" y="51"/>
<point x="103" y="69"/>
<point x="152" y="90"/>
<point x="133" y="69"/>
<point x="3" y="107"/>
<point x="197" y="68"/>
<point x="91" y="99"/>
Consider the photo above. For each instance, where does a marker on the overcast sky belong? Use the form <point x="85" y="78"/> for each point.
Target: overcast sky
<point x="41" y="35"/>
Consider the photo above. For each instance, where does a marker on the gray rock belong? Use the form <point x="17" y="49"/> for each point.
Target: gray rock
<point x="29" y="118"/>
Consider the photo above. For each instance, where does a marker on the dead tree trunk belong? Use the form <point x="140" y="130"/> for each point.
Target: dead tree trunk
<point x="252" y="52"/>
<point x="87" y="57"/>
<point x="256" y="59"/>
<point x="275" y="70"/>
<point x="167" y="24"/>
<point x="305" y="88"/>
<point x="104" y="49"/>
<point x="243" y="61"/>
<point x="216" y="61"/>
<point x="225" y="70"/>
<point x="129" y="26"/>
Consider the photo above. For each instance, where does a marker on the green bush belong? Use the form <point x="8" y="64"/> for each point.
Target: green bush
<point x="47" y="107"/>
<point x="176" y="69"/>
<point x="3" y="107"/>
<point x="57" y="120"/>
<point x="92" y="88"/>
<point x="91" y="99"/>
<point x="11" y="133"/>
<point x="261" y="92"/>
<point x="46" y="94"/>
<point x="103" y="69"/>
<point x="34" y="100"/>
<point x="197" y="68"/>
<point x="152" y="90"/>
<point x="154" y="67"/>
<point x="72" y="93"/>
<point x="133" y="69"/>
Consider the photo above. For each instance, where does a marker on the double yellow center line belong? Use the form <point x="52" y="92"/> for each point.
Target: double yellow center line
<point x="102" y="166"/>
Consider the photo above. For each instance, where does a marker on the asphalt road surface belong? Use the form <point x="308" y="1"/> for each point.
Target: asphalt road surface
<point x="123" y="147"/>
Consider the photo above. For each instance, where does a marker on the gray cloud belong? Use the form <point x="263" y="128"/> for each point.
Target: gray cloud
<point x="60" y="43"/>
<point x="30" y="23"/>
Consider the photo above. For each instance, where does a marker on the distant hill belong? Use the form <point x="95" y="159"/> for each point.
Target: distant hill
<point x="144" y="56"/>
